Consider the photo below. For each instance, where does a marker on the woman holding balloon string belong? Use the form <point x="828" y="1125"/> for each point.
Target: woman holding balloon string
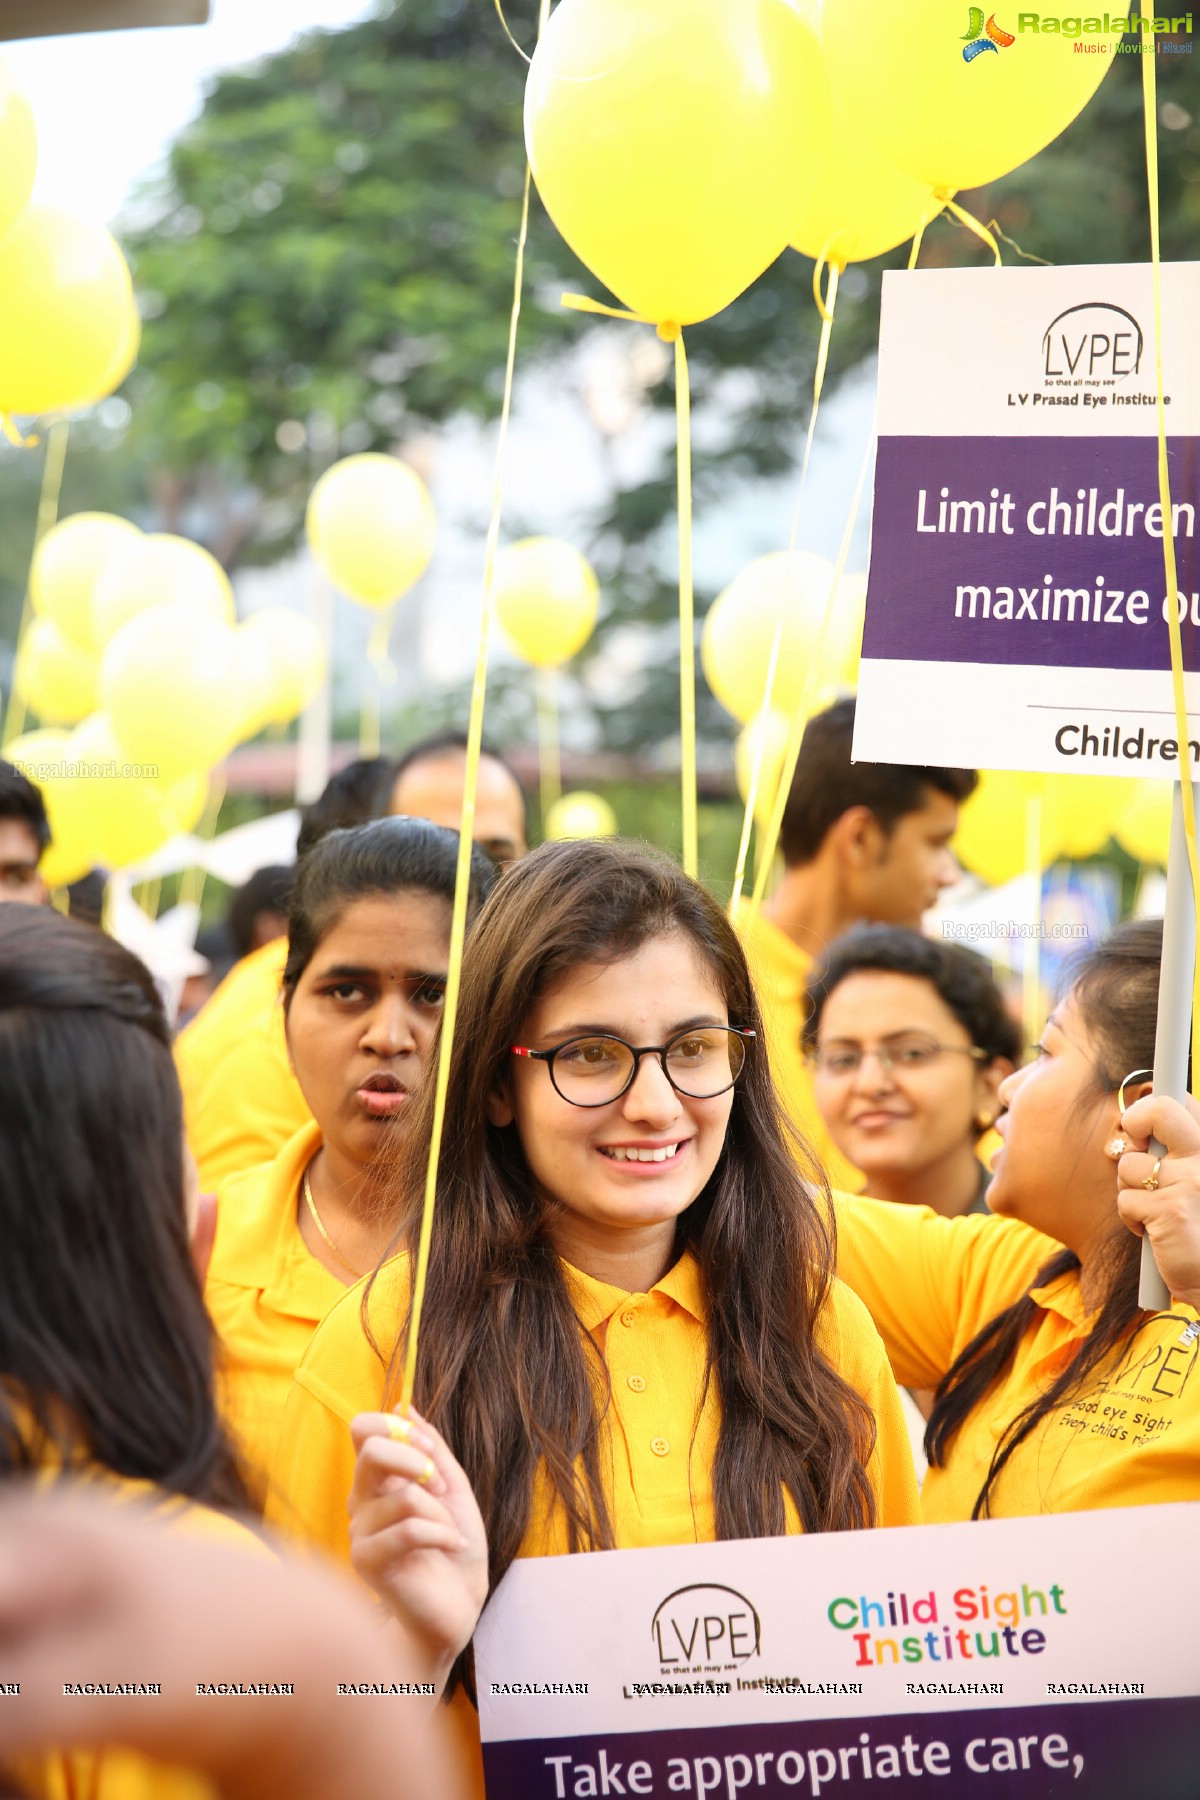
<point x="368" y="941"/>
<point x="1055" y="1391"/>
<point x="605" y="1347"/>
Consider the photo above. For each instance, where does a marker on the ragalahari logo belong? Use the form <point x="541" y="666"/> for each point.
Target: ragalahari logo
<point x="981" y="36"/>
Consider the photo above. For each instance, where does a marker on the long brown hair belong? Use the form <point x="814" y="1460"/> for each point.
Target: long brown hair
<point x="1115" y="988"/>
<point x="505" y="1370"/>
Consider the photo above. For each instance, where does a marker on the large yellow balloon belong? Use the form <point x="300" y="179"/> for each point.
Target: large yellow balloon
<point x="1144" y="827"/>
<point x="65" y="300"/>
<point x="957" y="95"/>
<point x="1086" y="810"/>
<point x="993" y="825"/>
<point x="44" y="757"/>
<point x="154" y="570"/>
<point x="282" y="662"/>
<point x="545" y="597"/>
<point x="67" y="565"/>
<point x="18" y="150"/>
<point x="580" y="815"/>
<point x="54" y="677"/>
<point x="854" y="203"/>
<point x="370" y="525"/>
<point x="125" y="354"/>
<point x="771" y="731"/>
<point x="129" y="816"/>
<point x="667" y="138"/>
<point x="169" y="686"/>
<point x="788" y="589"/>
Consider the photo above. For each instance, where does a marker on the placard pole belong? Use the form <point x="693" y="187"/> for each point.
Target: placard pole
<point x="1172" y="1040"/>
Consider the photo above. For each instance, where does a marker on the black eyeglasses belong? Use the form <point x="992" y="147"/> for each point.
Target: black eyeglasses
<point x="593" y="1071"/>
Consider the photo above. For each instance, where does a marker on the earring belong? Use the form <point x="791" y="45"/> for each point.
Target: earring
<point x="985" y="1121"/>
<point x="1116" y="1147"/>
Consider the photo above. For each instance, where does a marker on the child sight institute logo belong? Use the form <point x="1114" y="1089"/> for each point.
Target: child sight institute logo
<point x="980" y="36"/>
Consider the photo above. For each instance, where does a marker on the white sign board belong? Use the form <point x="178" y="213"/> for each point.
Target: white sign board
<point x="1016" y="611"/>
<point x="1021" y="1658"/>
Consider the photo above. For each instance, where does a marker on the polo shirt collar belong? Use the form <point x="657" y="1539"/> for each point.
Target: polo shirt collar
<point x="596" y="1301"/>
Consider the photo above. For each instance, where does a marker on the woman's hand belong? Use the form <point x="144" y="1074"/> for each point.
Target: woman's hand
<point x="1168" y="1214"/>
<point x="416" y="1534"/>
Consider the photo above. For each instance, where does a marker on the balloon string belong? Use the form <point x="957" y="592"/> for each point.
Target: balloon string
<point x="986" y="233"/>
<point x="1186" y="775"/>
<point x="687" y="616"/>
<point x="792" y="754"/>
<point x="466" y="833"/>
<point x="383" y="673"/>
<point x="826" y="311"/>
<point x="1031" y="982"/>
<point x="47" y="514"/>
<point x="972" y="224"/>
<point x="549" y="768"/>
<point x="671" y="333"/>
<point x="191" y="888"/>
<point x="760" y="749"/>
<point x="508" y="34"/>
<point x="15" y="435"/>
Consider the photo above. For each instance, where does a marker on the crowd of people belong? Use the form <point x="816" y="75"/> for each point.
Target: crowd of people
<point x="720" y="1212"/>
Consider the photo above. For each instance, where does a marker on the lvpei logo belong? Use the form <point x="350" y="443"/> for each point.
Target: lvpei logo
<point x="705" y="1628"/>
<point x="981" y="36"/>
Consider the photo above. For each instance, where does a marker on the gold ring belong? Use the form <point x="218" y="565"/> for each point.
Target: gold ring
<point x="1151" y="1180"/>
<point x="427" y="1473"/>
<point x="399" y="1430"/>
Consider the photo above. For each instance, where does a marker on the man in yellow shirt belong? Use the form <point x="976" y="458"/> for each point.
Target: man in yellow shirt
<point x="241" y="1100"/>
<point x="861" y="842"/>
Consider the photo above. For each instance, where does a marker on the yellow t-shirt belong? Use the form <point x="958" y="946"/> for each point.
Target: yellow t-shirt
<point x="241" y="1101"/>
<point x="659" y="1475"/>
<point x="655" y="1346"/>
<point x="1131" y="1437"/>
<point x="779" y="969"/>
<point x="112" y="1773"/>
<point x="266" y="1293"/>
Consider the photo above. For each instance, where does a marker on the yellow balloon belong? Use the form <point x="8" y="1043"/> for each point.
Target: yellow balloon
<point x="770" y="730"/>
<point x="1086" y="810"/>
<point x="787" y="589"/>
<point x="154" y="570"/>
<point x="854" y="203"/>
<point x="124" y="356"/>
<point x="18" y="150"/>
<point x="65" y="299"/>
<point x="993" y="825"/>
<point x="67" y="565"/>
<point x="1144" y="827"/>
<point x="168" y="684"/>
<point x="54" y="677"/>
<point x="957" y="95"/>
<point x="370" y="525"/>
<point x="44" y="757"/>
<point x="545" y="598"/>
<point x="283" y="662"/>
<point x="667" y="137"/>
<point x="130" y="816"/>
<point x="580" y="815"/>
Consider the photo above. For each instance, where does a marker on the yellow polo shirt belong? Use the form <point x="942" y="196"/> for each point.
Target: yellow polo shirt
<point x="241" y="1101"/>
<point x="266" y="1294"/>
<point x="663" y="1440"/>
<point x="1131" y="1437"/>
<point x="780" y="969"/>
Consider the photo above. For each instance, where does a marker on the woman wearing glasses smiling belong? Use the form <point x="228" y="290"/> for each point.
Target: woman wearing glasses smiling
<point x="631" y="1334"/>
<point x="910" y="1040"/>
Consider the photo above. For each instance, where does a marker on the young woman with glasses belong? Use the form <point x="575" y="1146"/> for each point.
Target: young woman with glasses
<point x="631" y="1335"/>
<point x="909" y="1040"/>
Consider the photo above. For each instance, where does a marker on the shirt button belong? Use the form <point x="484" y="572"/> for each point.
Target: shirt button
<point x="660" y="1446"/>
<point x="637" y="1383"/>
<point x="627" y="1318"/>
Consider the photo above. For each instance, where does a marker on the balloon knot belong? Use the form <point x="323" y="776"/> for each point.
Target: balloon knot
<point x="668" y="331"/>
